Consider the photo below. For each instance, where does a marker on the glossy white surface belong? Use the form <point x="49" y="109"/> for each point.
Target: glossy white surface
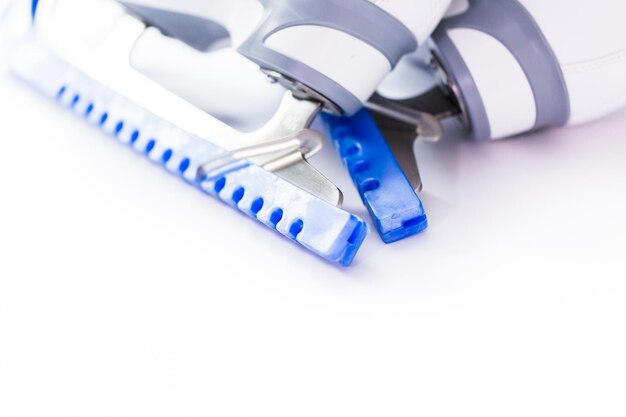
<point x="501" y="82"/>
<point x="125" y="292"/>
<point x="580" y="30"/>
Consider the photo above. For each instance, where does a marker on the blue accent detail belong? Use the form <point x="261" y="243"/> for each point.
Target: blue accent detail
<point x="238" y="195"/>
<point x="256" y="206"/>
<point x="358" y="234"/>
<point x="88" y="110"/>
<point x="118" y="127"/>
<point x="295" y="228"/>
<point x="167" y="155"/>
<point x="61" y="92"/>
<point x="134" y="136"/>
<point x="384" y="189"/>
<point x="150" y="146"/>
<point x="219" y="185"/>
<point x="324" y="229"/>
<point x="276" y="217"/>
<point x="184" y="165"/>
<point x="33" y="9"/>
<point x="103" y="118"/>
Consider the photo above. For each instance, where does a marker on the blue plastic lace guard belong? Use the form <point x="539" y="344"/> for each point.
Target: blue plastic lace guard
<point x="322" y="228"/>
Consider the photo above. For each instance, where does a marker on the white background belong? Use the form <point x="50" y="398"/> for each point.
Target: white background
<point x="125" y="292"/>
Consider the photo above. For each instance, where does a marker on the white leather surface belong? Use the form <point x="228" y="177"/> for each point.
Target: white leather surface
<point x="589" y="40"/>
<point x="501" y="82"/>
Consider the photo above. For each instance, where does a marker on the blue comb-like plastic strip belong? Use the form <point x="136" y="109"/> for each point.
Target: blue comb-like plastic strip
<point x="386" y="192"/>
<point x="324" y="229"/>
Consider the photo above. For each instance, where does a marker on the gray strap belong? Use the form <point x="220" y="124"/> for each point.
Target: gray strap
<point x="358" y="18"/>
<point x="511" y="24"/>
<point x="197" y="32"/>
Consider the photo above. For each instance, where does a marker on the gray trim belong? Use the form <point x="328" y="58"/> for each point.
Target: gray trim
<point x="197" y="32"/>
<point x="358" y="18"/>
<point x="333" y="92"/>
<point x="464" y="86"/>
<point x="511" y="24"/>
